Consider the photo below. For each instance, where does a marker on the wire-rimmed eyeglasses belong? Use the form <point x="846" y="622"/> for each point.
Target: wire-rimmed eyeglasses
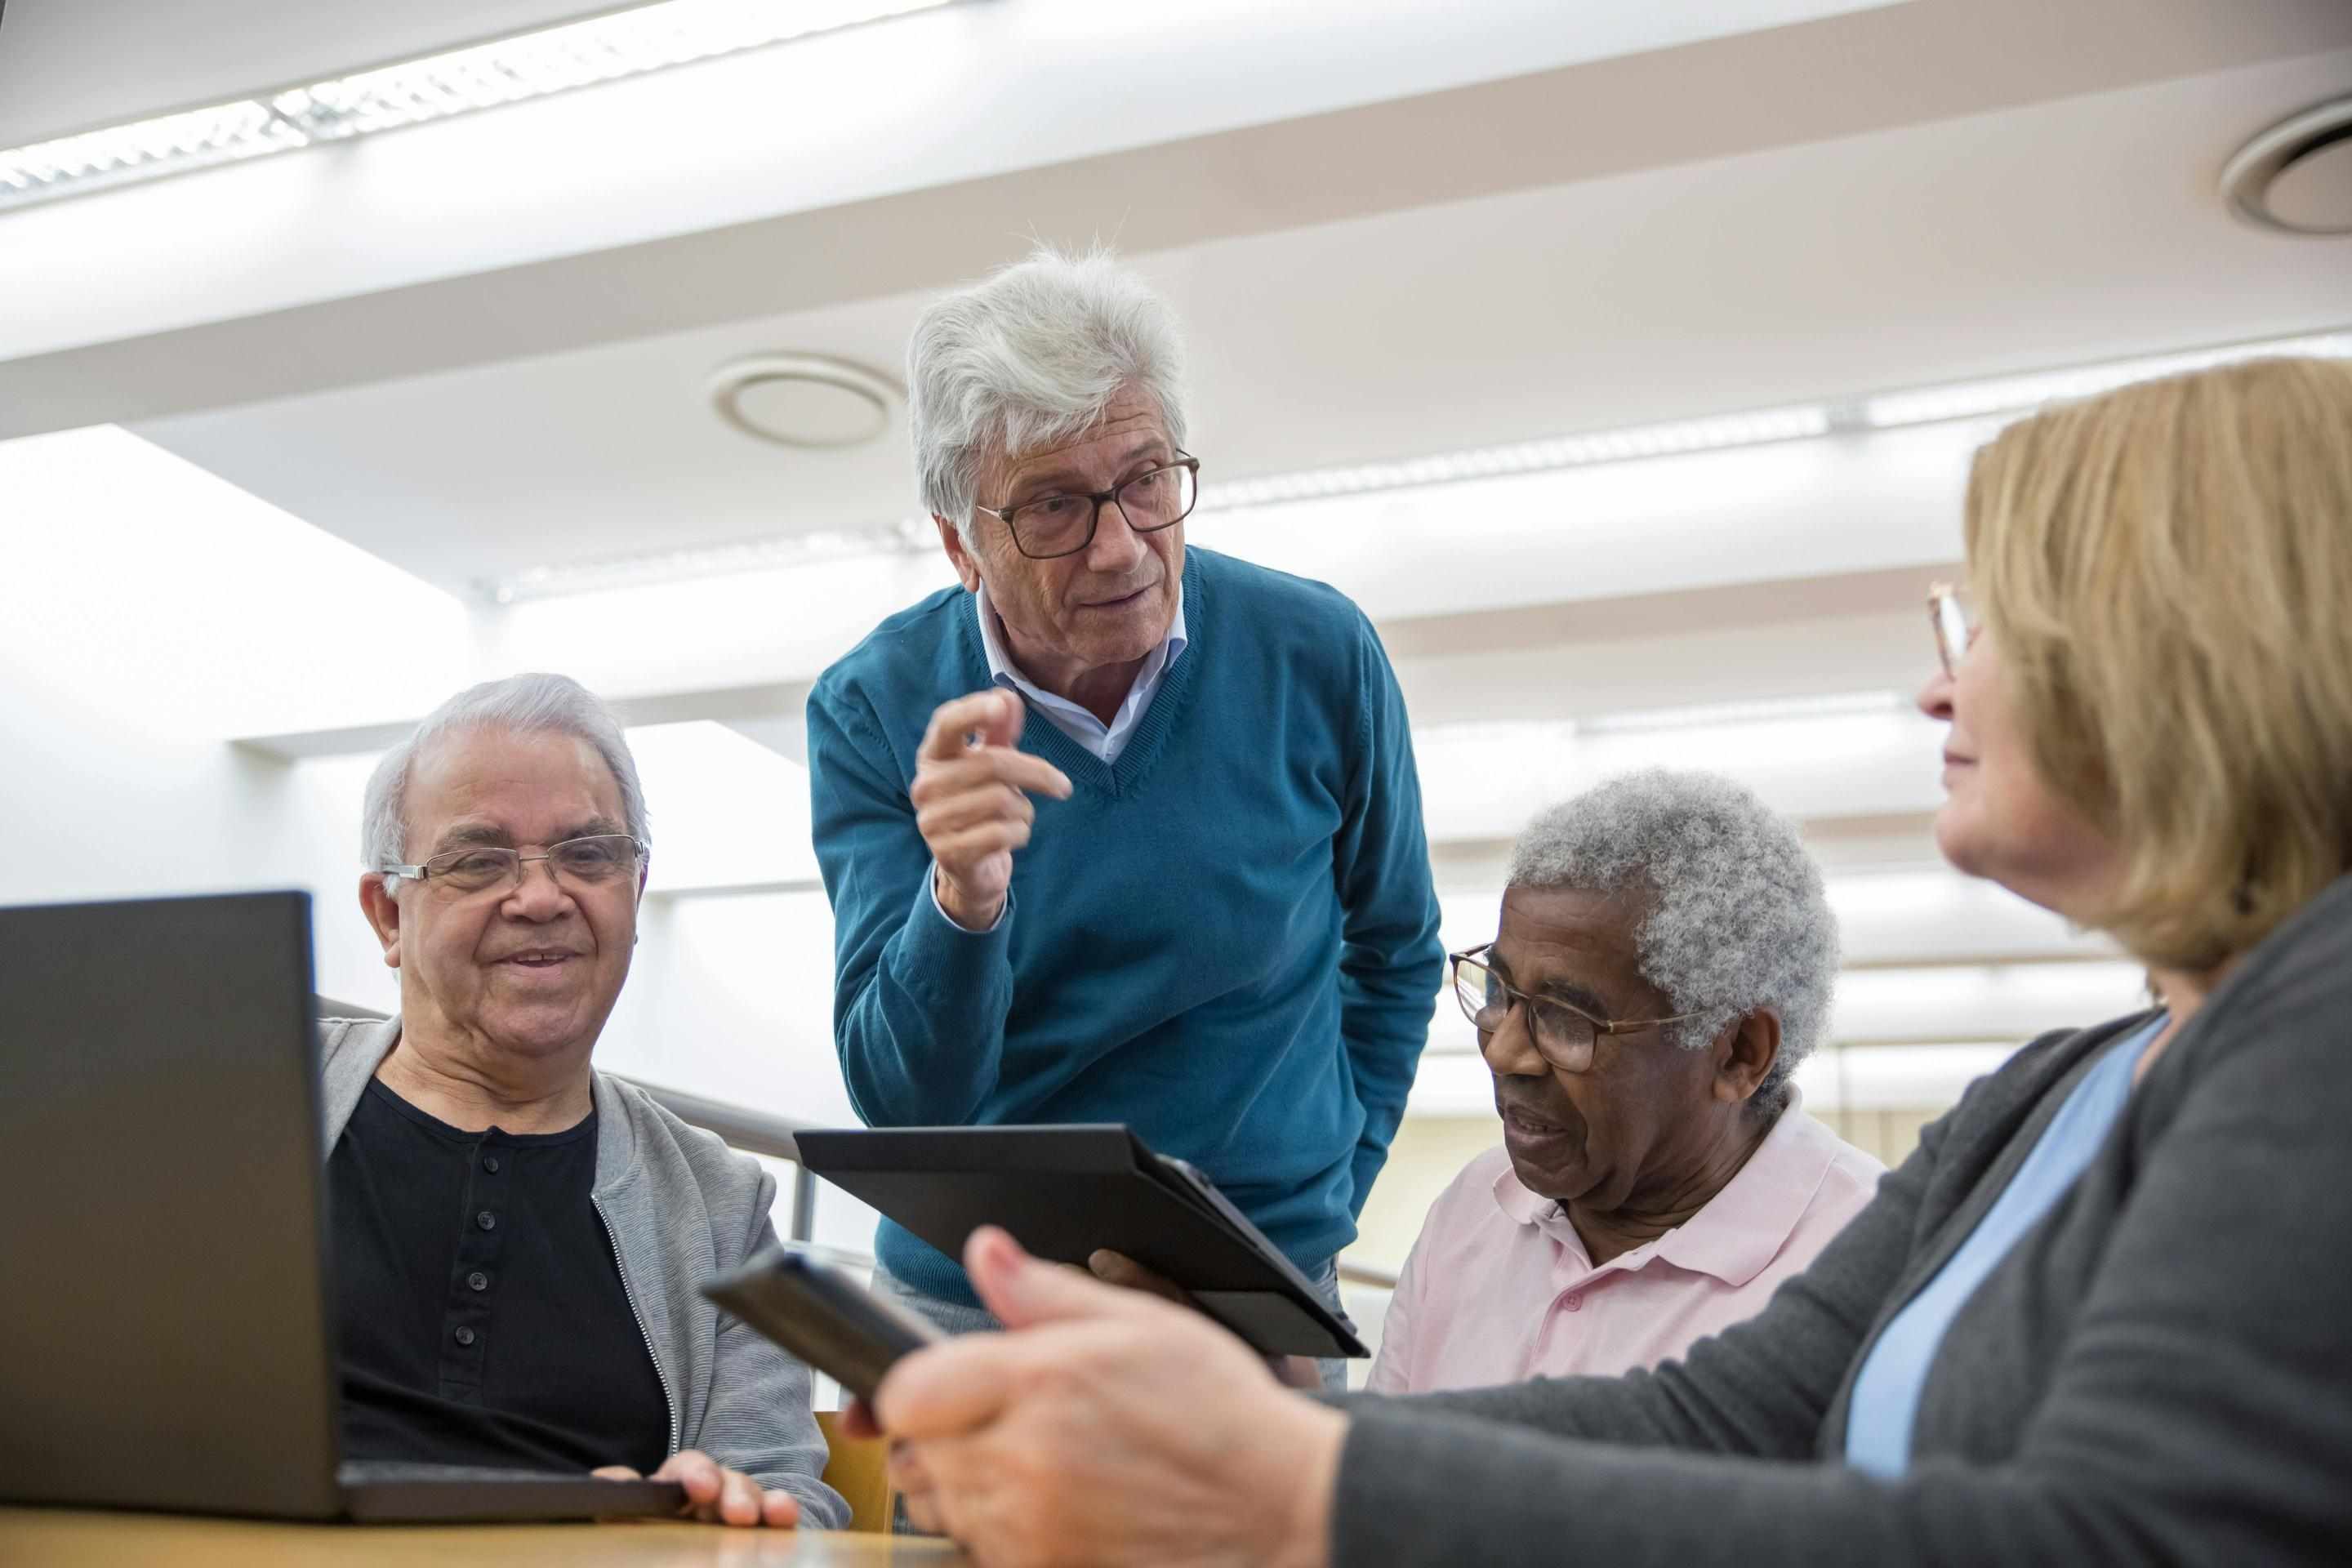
<point x="590" y="860"/>
<point x="1564" y="1035"/>
<point x="1064" y="523"/>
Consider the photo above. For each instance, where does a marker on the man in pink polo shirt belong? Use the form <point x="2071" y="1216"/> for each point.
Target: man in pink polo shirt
<point x="1664" y="962"/>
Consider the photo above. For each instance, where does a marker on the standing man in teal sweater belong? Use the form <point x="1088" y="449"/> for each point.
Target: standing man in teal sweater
<point x="1117" y="831"/>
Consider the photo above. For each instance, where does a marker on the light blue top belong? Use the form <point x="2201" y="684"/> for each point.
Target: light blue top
<point x="1885" y="1401"/>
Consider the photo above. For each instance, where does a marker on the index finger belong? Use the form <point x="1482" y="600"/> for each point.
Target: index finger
<point x="948" y="1389"/>
<point x="996" y="715"/>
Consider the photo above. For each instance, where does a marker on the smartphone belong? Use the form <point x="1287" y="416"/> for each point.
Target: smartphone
<point x="822" y="1316"/>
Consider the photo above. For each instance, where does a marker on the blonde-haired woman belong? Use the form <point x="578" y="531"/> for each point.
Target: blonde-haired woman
<point x="2102" y="1315"/>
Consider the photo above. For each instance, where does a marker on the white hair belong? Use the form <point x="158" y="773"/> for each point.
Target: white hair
<point x="1736" y="918"/>
<point x="1029" y="357"/>
<point x="525" y="704"/>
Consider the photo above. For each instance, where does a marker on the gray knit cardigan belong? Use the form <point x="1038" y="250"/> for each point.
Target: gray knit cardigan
<point x="679" y="1206"/>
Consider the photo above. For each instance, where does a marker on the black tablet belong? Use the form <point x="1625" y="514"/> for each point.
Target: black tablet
<point x="1066" y="1192"/>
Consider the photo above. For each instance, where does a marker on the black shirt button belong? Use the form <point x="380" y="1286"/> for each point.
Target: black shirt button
<point x="477" y="1280"/>
<point x="465" y="1336"/>
<point x="487" y="1220"/>
<point x="490" y="1164"/>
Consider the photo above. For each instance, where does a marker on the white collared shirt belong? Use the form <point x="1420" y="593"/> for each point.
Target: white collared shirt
<point x="1098" y="739"/>
<point x="1103" y="740"/>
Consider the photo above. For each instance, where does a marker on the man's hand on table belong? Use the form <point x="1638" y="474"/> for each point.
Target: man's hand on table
<point x="971" y="796"/>
<point x="715" y="1494"/>
<point x="1108" y="1427"/>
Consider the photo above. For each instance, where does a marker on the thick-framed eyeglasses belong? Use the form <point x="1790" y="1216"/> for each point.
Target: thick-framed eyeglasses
<point x="1955" y="629"/>
<point x="1064" y="523"/>
<point x="589" y="861"/>
<point x="1564" y="1036"/>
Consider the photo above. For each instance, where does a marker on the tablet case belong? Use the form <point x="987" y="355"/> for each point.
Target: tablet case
<point x="1064" y="1192"/>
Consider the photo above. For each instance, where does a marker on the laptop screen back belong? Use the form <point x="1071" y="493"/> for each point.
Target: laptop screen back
<point x="162" y="1303"/>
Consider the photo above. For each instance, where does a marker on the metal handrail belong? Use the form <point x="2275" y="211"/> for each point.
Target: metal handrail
<point x="778" y="1137"/>
<point x="736" y="1126"/>
<point x="753" y="1132"/>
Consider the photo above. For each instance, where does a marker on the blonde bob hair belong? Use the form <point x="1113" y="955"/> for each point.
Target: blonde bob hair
<point x="2168" y="571"/>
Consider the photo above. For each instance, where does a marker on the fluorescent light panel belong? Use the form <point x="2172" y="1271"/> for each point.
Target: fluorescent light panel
<point x="1525" y="457"/>
<point x="1960" y="400"/>
<point x="1837" y="705"/>
<point x="777" y="552"/>
<point x="2009" y="394"/>
<point x="1522" y="734"/>
<point x="529" y="65"/>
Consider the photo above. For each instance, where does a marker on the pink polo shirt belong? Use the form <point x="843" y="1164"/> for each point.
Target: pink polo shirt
<point x="1499" y="1287"/>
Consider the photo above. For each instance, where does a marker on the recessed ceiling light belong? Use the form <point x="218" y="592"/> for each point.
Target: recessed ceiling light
<point x="2297" y="177"/>
<point x="808" y="401"/>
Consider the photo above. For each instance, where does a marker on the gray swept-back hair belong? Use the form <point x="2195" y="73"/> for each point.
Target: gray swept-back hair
<point x="1029" y="357"/>
<point x="526" y="704"/>
<point x="1737" y="919"/>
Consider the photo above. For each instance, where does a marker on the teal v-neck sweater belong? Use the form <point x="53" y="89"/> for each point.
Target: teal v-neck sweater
<point x="1227" y="939"/>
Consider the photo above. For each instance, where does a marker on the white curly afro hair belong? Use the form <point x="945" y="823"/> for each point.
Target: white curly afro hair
<point x="1737" y="918"/>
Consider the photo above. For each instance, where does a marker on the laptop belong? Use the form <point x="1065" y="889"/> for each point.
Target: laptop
<point x="166" y="1328"/>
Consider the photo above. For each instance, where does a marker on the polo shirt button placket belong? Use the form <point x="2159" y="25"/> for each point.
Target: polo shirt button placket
<point x="466" y="1322"/>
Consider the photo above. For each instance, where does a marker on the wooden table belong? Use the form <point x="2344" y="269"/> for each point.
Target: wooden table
<point x="60" y="1538"/>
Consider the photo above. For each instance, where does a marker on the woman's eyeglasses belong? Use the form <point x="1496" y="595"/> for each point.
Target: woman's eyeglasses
<point x="1955" y="629"/>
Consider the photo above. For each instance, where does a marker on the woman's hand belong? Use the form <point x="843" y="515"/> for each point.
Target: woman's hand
<point x="1107" y="1426"/>
<point x="715" y="1494"/>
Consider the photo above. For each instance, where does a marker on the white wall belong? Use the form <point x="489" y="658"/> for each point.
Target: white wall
<point x="147" y="611"/>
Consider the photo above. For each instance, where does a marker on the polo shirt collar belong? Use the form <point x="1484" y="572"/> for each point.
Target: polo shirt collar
<point x="1744" y="1226"/>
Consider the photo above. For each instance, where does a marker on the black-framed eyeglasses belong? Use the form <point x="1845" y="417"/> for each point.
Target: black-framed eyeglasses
<point x="1064" y="523"/>
<point x="589" y="861"/>
<point x="1564" y="1035"/>
<point x="1955" y="629"/>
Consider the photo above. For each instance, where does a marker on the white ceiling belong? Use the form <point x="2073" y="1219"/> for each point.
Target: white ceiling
<point x="1754" y="202"/>
<point x="2073" y="230"/>
<point x="1748" y="203"/>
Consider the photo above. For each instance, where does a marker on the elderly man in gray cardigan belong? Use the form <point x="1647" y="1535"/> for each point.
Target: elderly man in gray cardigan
<point x="519" y="1237"/>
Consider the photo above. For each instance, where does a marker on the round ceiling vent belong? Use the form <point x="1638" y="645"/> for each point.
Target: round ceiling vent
<point x="805" y="401"/>
<point x="2296" y="177"/>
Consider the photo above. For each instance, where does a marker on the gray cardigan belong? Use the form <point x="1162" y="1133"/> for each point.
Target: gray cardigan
<point x="2160" y="1372"/>
<point x="679" y="1206"/>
